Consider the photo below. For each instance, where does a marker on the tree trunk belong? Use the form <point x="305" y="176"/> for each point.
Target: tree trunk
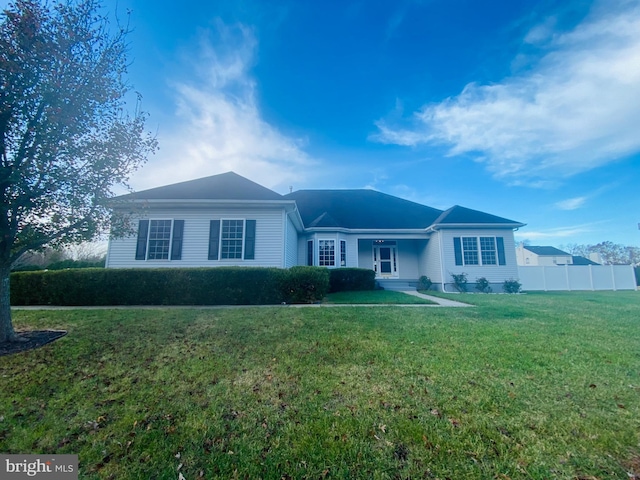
<point x="6" y="327"/>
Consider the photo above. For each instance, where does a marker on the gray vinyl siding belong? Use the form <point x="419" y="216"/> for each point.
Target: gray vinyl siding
<point x="493" y="273"/>
<point x="352" y="251"/>
<point x="408" y="259"/>
<point x="430" y="260"/>
<point x="291" y="244"/>
<point x="365" y="254"/>
<point x="268" y="250"/>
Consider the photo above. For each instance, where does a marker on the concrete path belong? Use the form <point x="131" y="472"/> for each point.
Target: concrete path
<point x="442" y="302"/>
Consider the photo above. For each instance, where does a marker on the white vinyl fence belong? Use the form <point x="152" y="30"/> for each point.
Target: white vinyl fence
<point x="578" y="277"/>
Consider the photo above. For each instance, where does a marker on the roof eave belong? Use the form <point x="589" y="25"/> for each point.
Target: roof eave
<point x="368" y="231"/>
<point x="202" y="203"/>
<point x="477" y="225"/>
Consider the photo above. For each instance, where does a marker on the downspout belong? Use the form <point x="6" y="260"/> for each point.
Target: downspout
<point x="440" y="245"/>
<point x="285" y="217"/>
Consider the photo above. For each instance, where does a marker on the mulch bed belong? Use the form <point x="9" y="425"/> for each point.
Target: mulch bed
<point x="35" y="339"/>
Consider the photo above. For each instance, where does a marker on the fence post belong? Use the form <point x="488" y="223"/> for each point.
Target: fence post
<point x="591" y="278"/>
<point x="566" y="276"/>
<point x="613" y="277"/>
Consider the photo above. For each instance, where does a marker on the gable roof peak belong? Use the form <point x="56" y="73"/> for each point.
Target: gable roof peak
<point x="458" y="215"/>
<point x="224" y="186"/>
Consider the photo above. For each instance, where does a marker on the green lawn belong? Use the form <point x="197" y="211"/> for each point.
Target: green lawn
<point x="522" y="386"/>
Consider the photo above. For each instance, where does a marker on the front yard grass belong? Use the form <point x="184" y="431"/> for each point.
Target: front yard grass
<point x="523" y="386"/>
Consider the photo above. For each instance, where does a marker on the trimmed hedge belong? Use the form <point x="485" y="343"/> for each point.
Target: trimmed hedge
<point x="350" y="279"/>
<point x="184" y="286"/>
<point x="168" y="286"/>
<point x="305" y="284"/>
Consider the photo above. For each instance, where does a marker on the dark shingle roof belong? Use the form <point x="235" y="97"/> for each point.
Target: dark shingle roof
<point x="226" y="186"/>
<point x="353" y="209"/>
<point x="461" y="215"/>
<point x="579" y="260"/>
<point x="362" y="209"/>
<point x="545" y="250"/>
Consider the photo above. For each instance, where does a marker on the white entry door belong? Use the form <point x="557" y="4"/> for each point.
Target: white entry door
<point x="385" y="261"/>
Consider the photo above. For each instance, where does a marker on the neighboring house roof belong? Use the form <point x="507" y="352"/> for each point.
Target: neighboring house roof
<point x="546" y="251"/>
<point x="578" y="260"/>
<point x="226" y="186"/>
<point x="458" y="215"/>
<point x="361" y="209"/>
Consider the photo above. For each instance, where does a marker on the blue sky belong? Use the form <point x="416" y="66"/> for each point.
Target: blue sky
<point x="526" y="109"/>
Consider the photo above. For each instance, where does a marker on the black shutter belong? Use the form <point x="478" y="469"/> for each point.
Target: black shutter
<point x="141" y="246"/>
<point x="501" y="259"/>
<point x="457" y="247"/>
<point x="310" y="253"/>
<point x="176" y="243"/>
<point x="214" y="239"/>
<point x="250" y="240"/>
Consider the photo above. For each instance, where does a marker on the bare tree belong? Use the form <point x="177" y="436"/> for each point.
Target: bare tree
<point x="65" y="137"/>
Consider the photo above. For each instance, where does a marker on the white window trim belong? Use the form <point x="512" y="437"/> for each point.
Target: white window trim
<point x="343" y="242"/>
<point x="479" y="250"/>
<point x="334" y="251"/>
<point x="244" y="233"/>
<point x="146" y="256"/>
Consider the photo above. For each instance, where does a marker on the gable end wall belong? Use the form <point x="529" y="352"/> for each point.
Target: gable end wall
<point x="269" y="249"/>
<point x="494" y="273"/>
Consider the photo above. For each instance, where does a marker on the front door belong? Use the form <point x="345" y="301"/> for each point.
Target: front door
<point x="385" y="261"/>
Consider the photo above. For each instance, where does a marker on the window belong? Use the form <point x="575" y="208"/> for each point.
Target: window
<point x="488" y="250"/>
<point x="159" y="239"/>
<point x="310" y="252"/>
<point x="232" y="239"/>
<point x="479" y="250"/>
<point x="343" y="253"/>
<point x="327" y="253"/>
<point x="470" y="250"/>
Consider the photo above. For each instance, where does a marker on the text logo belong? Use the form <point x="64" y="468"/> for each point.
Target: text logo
<point x="49" y="467"/>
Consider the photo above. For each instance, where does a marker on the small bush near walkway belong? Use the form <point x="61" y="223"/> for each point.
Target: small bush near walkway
<point x="351" y="279"/>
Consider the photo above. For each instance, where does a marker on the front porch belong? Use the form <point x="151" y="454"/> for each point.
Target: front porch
<point x="398" y="263"/>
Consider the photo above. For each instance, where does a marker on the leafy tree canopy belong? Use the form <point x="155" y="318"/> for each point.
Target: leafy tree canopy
<point x="611" y="253"/>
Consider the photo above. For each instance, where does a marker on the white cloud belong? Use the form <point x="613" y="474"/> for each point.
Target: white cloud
<point x="217" y="124"/>
<point x="571" y="203"/>
<point x="577" y="108"/>
<point x="557" y="233"/>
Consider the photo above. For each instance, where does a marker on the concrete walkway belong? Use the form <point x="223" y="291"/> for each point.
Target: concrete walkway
<point x="442" y="302"/>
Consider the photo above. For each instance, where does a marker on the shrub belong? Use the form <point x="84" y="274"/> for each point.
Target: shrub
<point x="482" y="285"/>
<point x="306" y="284"/>
<point x="460" y="281"/>
<point x="169" y="286"/>
<point x="511" y="286"/>
<point x="350" y="279"/>
<point x="424" y="283"/>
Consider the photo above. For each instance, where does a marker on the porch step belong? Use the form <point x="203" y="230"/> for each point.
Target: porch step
<point x="397" y="285"/>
